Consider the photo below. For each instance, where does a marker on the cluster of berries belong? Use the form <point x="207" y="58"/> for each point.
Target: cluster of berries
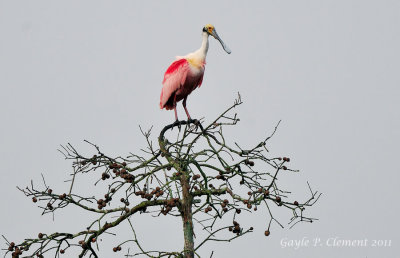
<point x="235" y="228"/>
<point x="117" y="248"/>
<point x="101" y="203"/>
<point x="119" y="171"/>
<point x="224" y="204"/>
<point x="171" y="203"/>
<point x="16" y="250"/>
<point x="145" y="195"/>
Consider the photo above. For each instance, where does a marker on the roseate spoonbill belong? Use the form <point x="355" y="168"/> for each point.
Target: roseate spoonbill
<point x="186" y="73"/>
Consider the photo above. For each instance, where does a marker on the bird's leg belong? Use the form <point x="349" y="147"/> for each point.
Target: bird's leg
<point x="184" y="106"/>
<point x="176" y="115"/>
<point x="176" y="120"/>
<point x="174" y="103"/>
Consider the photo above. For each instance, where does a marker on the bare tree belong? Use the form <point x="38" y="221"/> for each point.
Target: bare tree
<point x="193" y="173"/>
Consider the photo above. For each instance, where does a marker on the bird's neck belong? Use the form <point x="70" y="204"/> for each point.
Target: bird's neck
<point x="202" y="51"/>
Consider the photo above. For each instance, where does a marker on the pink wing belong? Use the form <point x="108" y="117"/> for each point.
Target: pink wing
<point x="174" y="78"/>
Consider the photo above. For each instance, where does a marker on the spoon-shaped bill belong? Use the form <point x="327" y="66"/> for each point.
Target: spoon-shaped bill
<point x="224" y="46"/>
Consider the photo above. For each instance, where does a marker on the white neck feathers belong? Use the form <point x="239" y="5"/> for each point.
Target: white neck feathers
<point x="204" y="44"/>
<point x="201" y="53"/>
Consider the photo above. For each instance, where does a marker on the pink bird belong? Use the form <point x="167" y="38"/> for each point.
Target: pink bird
<point x="186" y="74"/>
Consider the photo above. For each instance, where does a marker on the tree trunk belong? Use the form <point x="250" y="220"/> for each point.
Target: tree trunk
<point x="186" y="210"/>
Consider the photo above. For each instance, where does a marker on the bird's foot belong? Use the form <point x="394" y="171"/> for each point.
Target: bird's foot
<point x="193" y="121"/>
<point x="177" y="123"/>
<point x="196" y="123"/>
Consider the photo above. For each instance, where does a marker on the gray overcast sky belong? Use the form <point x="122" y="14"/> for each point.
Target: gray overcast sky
<point x="77" y="70"/>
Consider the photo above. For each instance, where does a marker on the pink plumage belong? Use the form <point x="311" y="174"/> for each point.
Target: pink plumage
<point x="186" y="74"/>
<point x="180" y="79"/>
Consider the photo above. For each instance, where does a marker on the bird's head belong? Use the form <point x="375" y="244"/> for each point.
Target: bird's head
<point x="210" y="30"/>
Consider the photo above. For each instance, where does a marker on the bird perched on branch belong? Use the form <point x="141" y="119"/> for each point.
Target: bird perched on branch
<point x="186" y="73"/>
